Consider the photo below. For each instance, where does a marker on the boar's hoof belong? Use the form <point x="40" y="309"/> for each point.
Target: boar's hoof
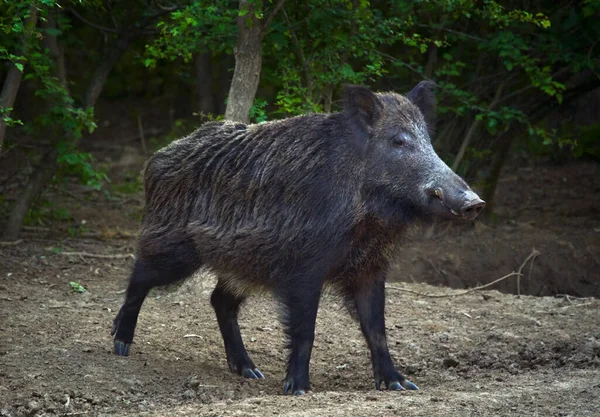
<point x="252" y="373"/>
<point x="395" y="386"/>
<point x="409" y="385"/>
<point x="289" y="388"/>
<point x="403" y="385"/>
<point x="121" y="348"/>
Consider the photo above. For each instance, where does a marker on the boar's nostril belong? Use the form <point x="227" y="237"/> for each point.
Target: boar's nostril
<point x="472" y="209"/>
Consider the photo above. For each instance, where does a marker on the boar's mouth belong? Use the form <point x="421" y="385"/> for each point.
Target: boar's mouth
<point x="454" y="206"/>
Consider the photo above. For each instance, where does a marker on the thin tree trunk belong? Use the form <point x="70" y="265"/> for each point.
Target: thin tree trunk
<point x="41" y="176"/>
<point x="474" y="128"/>
<point x="101" y="74"/>
<point x="248" y="59"/>
<point x="204" y="99"/>
<point x="248" y="63"/>
<point x="327" y="98"/>
<point x="432" y="59"/>
<point x="13" y="78"/>
<point x="305" y="65"/>
<point x="491" y="182"/>
<point x="56" y="51"/>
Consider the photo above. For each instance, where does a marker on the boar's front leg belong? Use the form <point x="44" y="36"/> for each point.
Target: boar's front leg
<point x="301" y="302"/>
<point x="368" y="297"/>
<point x="226" y="307"/>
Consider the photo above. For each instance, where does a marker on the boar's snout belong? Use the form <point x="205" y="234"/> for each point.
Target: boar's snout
<point x="455" y="203"/>
<point x="472" y="208"/>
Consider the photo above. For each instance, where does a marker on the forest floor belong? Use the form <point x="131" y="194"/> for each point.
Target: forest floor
<point x="485" y="353"/>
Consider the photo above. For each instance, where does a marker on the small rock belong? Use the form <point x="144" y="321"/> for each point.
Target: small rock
<point x="412" y="369"/>
<point x="87" y="349"/>
<point x="34" y="406"/>
<point x="193" y="383"/>
<point x="486" y="297"/>
<point x="371" y="398"/>
<point x="189" y="394"/>
<point x="450" y="363"/>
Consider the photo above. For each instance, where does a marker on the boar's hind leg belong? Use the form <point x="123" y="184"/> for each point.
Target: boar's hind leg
<point x="369" y="300"/>
<point x="147" y="274"/>
<point x="226" y="307"/>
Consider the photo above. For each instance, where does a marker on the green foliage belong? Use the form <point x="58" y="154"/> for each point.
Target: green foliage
<point x="258" y="113"/>
<point x="76" y="287"/>
<point x="206" y="25"/>
<point x="45" y="212"/>
<point x="72" y="162"/>
<point x="5" y="115"/>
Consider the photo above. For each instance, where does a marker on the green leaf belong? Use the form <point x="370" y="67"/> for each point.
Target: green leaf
<point x="77" y="287"/>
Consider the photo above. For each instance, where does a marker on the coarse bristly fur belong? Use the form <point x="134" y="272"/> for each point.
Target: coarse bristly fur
<point x="288" y="206"/>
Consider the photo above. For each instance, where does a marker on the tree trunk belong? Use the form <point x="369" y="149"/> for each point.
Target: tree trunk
<point x="248" y="63"/>
<point x="204" y="102"/>
<point x="101" y="74"/>
<point x="41" y="176"/>
<point x="13" y="77"/>
<point x="432" y="59"/>
<point x="491" y="182"/>
<point x="474" y="128"/>
<point x="57" y="52"/>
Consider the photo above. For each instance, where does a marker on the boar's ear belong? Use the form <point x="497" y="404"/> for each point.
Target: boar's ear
<point x="362" y="105"/>
<point x="423" y="96"/>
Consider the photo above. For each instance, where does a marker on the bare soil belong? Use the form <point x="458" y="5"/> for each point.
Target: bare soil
<point x="486" y="353"/>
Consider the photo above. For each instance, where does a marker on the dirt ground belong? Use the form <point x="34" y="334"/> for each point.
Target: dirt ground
<point x="486" y="353"/>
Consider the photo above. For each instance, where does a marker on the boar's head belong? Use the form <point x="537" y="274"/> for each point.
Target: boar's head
<point x="402" y="174"/>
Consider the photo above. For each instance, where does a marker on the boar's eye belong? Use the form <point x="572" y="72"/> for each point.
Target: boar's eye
<point x="400" y="140"/>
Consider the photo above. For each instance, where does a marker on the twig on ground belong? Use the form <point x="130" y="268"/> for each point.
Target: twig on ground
<point x="578" y="305"/>
<point x="534" y="253"/>
<point x="11" y="243"/>
<point x="36" y="229"/>
<point x="98" y="255"/>
<point x="572" y="297"/>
